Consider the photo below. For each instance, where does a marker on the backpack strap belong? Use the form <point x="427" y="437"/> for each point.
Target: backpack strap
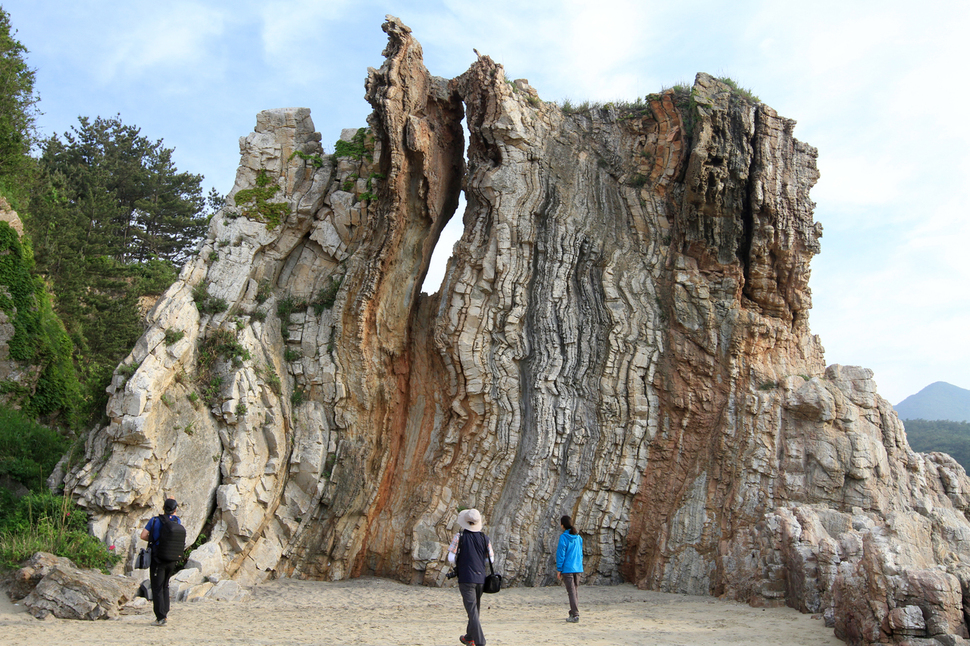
<point x="156" y="527"/>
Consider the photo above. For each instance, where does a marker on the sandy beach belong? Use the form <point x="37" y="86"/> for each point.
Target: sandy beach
<point x="377" y="611"/>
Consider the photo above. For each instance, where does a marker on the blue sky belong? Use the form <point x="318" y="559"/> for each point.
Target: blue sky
<point x="878" y="87"/>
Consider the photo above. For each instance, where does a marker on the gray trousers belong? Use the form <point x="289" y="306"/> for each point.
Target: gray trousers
<point x="571" y="581"/>
<point x="471" y="596"/>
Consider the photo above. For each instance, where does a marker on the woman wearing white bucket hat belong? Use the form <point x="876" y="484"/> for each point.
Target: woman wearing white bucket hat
<point x="469" y="551"/>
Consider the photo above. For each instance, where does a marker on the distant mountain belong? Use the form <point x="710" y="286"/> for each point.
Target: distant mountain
<point x="937" y="401"/>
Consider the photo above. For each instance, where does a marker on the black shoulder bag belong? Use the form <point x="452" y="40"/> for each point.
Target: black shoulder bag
<point x="493" y="582"/>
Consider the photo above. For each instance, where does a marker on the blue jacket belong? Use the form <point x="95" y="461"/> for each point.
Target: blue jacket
<point x="569" y="556"/>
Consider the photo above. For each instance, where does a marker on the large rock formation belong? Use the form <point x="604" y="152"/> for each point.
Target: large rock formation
<point x="622" y="335"/>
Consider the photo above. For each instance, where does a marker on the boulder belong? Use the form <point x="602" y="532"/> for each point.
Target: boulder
<point x="70" y="593"/>
<point x="207" y="558"/>
<point x="33" y="571"/>
<point x="227" y="591"/>
<point x="197" y="593"/>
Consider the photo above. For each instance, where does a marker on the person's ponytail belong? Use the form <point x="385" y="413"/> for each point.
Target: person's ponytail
<point x="567" y="523"/>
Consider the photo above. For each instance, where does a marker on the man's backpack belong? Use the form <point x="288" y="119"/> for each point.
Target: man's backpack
<point x="171" y="540"/>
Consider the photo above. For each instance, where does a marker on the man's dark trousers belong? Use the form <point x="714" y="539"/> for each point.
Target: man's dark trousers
<point x="159" y="574"/>
<point x="471" y="596"/>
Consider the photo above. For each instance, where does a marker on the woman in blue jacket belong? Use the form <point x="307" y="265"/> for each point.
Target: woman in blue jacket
<point x="569" y="564"/>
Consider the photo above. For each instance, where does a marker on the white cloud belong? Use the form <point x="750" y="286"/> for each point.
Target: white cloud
<point x="145" y="39"/>
<point x="290" y="27"/>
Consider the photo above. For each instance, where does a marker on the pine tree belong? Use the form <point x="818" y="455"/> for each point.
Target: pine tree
<point x="18" y="109"/>
<point x="111" y="218"/>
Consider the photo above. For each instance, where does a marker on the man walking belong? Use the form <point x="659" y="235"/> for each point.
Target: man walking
<point x="470" y="550"/>
<point x="167" y="543"/>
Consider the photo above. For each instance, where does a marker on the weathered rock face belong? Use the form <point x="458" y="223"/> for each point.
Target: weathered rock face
<point x="69" y="593"/>
<point x="622" y="335"/>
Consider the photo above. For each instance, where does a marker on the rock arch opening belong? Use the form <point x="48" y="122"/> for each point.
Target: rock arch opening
<point x="445" y="246"/>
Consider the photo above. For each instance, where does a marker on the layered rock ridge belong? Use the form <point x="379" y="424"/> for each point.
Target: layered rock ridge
<point x="622" y="335"/>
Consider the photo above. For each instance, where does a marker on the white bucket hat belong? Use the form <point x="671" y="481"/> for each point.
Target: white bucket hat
<point x="471" y="520"/>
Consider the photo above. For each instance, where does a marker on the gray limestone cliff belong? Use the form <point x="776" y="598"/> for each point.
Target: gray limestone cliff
<point x="622" y="335"/>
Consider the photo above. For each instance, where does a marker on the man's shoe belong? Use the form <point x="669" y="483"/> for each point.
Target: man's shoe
<point x="159" y="622"/>
<point x="464" y="640"/>
<point x="572" y="620"/>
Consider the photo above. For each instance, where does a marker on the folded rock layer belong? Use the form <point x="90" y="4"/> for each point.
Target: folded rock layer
<point x="621" y="335"/>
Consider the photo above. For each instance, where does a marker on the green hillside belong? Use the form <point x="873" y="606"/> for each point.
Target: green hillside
<point x="939" y="435"/>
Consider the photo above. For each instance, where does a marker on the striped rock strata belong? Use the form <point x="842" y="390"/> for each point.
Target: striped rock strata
<point x="622" y="335"/>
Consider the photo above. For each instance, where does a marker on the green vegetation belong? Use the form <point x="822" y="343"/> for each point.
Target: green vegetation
<point x="173" y="336"/>
<point x="121" y="191"/>
<point x="18" y="110"/>
<point x="263" y="292"/>
<point x="255" y="204"/>
<point x="44" y="522"/>
<point x="110" y="219"/>
<point x="221" y="344"/>
<point x="940" y="435"/>
<point x="39" y="337"/>
<point x="327" y="296"/>
<point x="369" y="193"/>
<point x="583" y="108"/>
<point x="314" y="160"/>
<point x="28" y="451"/>
<point x="268" y="374"/>
<point x="638" y="180"/>
<point x="359" y="147"/>
<point x="745" y="93"/>
<point x="206" y="303"/>
<point x="39" y="520"/>
<point x="284" y="308"/>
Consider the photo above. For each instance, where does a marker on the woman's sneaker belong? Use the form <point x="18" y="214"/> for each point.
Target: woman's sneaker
<point x="464" y="640"/>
